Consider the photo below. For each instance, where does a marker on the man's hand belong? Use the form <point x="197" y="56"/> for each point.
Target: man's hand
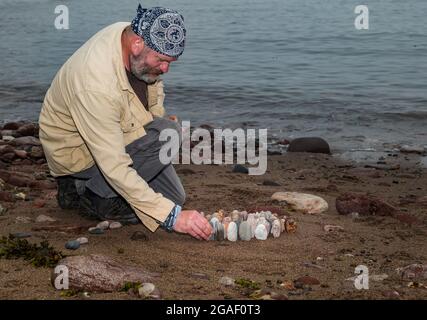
<point x="193" y="223"/>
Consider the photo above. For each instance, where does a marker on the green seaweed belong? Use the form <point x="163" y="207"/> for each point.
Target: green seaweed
<point x="134" y="286"/>
<point x="42" y="255"/>
<point x="248" y="284"/>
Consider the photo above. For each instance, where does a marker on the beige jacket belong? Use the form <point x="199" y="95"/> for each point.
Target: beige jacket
<point x="90" y="113"/>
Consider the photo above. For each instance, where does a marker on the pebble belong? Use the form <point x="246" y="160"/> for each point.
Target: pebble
<point x="245" y="233"/>
<point x="21" y="235"/>
<point x="72" y="245"/>
<point x="220" y="232"/>
<point x="103" y="225"/>
<point x="115" y="225"/>
<point x="95" y="230"/>
<point x="238" y="168"/>
<point x="2" y="210"/>
<point x="21" y="219"/>
<point x="331" y="228"/>
<point x="21" y="196"/>
<point x="139" y="235"/>
<point x="378" y="277"/>
<point x="232" y="231"/>
<point x="82" y="240"/>
<point x="149" y="290"/>
<point x="261" y="232"/>
<point x="43" y="218"/>
<point x="226" y="281"/>
<point x="276" y="228"/>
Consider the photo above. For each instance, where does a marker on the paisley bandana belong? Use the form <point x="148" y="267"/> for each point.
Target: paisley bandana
<point x="162" y="30"/>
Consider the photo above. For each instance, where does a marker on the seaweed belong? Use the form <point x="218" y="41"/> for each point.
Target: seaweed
<point x="246" y="283"/>
<point x="131" y="286"/>
<point x="42" y="255"/>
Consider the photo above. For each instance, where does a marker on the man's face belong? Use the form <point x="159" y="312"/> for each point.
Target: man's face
<point x="149" y="65"/>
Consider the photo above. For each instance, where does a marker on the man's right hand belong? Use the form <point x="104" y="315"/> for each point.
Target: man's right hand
<point x="193" y="223"/>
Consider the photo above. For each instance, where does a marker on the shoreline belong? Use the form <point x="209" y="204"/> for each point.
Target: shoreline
<point x="191" y="269"/>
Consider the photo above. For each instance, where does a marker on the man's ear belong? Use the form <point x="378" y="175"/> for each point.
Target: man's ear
<point x="137" y="45"/>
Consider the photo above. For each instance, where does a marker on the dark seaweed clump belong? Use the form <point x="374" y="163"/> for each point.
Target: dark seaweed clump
<point x="42" y="255"/>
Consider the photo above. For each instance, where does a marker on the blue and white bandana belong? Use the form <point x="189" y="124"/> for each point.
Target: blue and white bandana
<point x="162" y="30"/>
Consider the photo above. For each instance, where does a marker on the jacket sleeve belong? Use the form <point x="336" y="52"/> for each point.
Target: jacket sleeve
<point x="97" y="119"/>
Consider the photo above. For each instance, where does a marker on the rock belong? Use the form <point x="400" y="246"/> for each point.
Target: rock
<point x="243" y="215"/>
<point x="303" y="202"/>
<point x="32" y="141"/>
<point x="8" y="138"/>
<point x="226" y="281"/>
<point x="290" y="225"/>
<point x="149" y="290"/>
<point x="95" y="230"/>
<point x="8" y="157"/>
<point x="278" y="296"/>
<point x="103" y="225"/>
<point x="412" y="149"/>
<point x="21" y="235"/>
<point x="309" y="144"/>
<point x="115" y="225"/>
<point x="43" y="218"/>
<point x="306" y="280"/>
<point x="39" y="203"/>
<point x="220" y="235"/>
<point x="378" y="277"/>
<point x="19" y="181"/>
<point x="252" y="221"/>
<point x="391" y="294"/>
<point x="36" y="152"/>
<point x="98" y="273"/>
<point x="7" y="196"/>
<point x="330" y="228"/>
<point x="219" y="215"/>
<point x="276" y="228"/>
<point x="261" y="232"/>
<point x="200" y="275"/>
<point x="27" y="129"/>
<point x="11" y="126"/>
<point x="238" y="168"/>
<point x="263" y="220"/>
<point x="245" y="232"/>
<point x="6" y="149"/>
<point x="72" y="245"/>
<point x="139" y="236"/>
<point x="83" y="240"/>
<point x="270" y="183"/>
<point x="413" y="272"/>
<point x="43" y="184"/>
<point x="363" y="205"/>
<point x="21" y="153"/>
<point x="21" y="219"/>
<point x="232" y="231"/>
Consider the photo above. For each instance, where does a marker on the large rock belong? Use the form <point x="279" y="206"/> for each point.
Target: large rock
<point x="309" y="144"/>
<point x="413" y="272"/>
<point x="348" y="203"/>
<point x="28" y="129"/>
<point x="25" y="141"/>
<point x="98" y="273"/>
<point x="306" y="203"/>
<point x="6" y="149"/>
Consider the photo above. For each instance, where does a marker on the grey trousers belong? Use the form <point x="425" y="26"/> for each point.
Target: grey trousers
<point x="144" y="153"/>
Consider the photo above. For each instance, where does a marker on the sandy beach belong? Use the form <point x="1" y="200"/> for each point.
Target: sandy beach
<point x="191" y="269"/>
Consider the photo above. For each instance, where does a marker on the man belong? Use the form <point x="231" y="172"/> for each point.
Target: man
<point x="100" y="123"/>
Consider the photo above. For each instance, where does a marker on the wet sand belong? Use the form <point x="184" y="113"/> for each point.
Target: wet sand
<point x="191" y="269"/>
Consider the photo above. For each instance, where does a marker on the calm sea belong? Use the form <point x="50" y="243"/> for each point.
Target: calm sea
<point x="296" y="67"/>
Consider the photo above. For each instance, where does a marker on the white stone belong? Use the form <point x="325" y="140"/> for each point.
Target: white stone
<point x="83" y="240"/>
<point x="146" y="289"/>
<point x="261" y="232"/>
<point x="8" y="138"/>
<point x="276" y="228"/>
<point x="43" y="218"/>
<point x="232" y="231"/>
<point x="306" y="203"/>
<point x="226" y="281"/>
<point x="115" y="225"/>
<point x="103" y="225"/>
